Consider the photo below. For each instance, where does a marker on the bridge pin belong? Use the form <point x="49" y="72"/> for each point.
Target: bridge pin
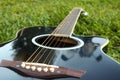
<point x="52" y="69"/>
<point x="27" y="67"/>
<point x="23" y="65"/>
<point x="45" y="69"/>
<point x="33" y="68"/>
<point x="39" y="69"/>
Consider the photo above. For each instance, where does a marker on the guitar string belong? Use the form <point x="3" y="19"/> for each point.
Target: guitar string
<point x="61" y="25"/>
<point x="46" y="39"/>
<point x="33" y="60"/>
<point x="45" y="50"/>
<point x="49" y="45"/>
<point x="43" y="53"/>
<point x="52" y="51"/>
<point x="56" y="43"/>
<point x="49" y="53"/>
<point x="38" y="48"/>
<point x="52" y="57"/>
<point x="45" y="61"/>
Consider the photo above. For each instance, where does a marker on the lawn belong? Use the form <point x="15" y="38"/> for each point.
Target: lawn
<point x="103" y="19"/>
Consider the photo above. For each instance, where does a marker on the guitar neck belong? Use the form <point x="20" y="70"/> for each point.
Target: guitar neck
<point x="66" y="27"/>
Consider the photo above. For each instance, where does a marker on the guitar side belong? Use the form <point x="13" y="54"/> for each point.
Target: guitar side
<point x="90" y="57"/>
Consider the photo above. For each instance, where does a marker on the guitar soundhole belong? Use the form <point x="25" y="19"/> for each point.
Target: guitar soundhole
<point x="54" y="41"/>
<point x="57" y="42"/>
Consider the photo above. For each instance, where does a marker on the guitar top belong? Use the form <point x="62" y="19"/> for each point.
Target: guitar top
<point x="90" y="57"/>
<point x="39" y="53"/>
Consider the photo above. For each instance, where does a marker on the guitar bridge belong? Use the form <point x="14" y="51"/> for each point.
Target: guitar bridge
<point x="40" y="70"/>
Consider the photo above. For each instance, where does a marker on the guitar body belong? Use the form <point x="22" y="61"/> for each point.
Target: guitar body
<point x="90" y="57"/>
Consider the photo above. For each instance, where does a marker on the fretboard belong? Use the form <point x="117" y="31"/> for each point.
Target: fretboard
<point x="66" y="27"/>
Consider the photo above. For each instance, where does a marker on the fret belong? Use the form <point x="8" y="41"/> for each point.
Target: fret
<point x="66" y="27"/>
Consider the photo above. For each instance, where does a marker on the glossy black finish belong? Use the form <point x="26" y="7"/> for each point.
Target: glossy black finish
<point x="90" y="57"/>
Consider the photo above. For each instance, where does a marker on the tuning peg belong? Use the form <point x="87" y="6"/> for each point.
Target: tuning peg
<point x="85" y="13"/>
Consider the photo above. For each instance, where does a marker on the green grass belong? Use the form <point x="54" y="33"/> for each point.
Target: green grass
<point x="103" y="19"/>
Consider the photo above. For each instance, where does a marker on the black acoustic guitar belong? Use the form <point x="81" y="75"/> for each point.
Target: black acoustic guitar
<point x="39" y="53"/>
